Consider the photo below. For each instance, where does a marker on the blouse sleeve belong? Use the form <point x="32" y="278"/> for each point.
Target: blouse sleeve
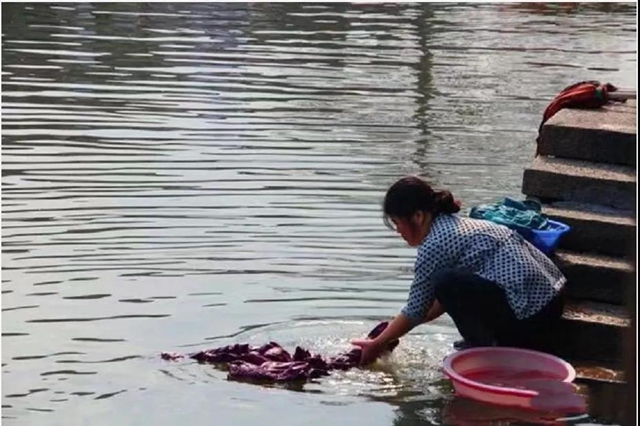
<point x="422" y="294"/>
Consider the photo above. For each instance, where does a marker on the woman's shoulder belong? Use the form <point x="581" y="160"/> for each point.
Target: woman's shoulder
<point x="444" y="227"/>
<point x="446" y="235"/>
<point x="463" y="225"/>
<point x="454" y="221"/>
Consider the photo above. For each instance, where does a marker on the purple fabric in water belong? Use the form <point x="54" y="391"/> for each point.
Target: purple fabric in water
<point x="273" y="363"/>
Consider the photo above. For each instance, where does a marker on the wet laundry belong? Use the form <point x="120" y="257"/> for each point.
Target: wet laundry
<point x="272" y="363"/>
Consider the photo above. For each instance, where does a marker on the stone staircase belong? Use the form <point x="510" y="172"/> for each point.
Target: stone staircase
<point x="585" y="176"/>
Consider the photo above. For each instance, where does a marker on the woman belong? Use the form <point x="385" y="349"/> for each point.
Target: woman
<point x="497" y="287"/>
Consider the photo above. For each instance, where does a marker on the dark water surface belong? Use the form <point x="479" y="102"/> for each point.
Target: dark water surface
<point x="181" y="176"/>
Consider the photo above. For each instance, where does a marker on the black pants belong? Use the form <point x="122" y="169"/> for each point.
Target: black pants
<point x="483" y="316"/>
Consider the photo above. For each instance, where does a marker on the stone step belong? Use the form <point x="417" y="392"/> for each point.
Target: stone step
<point x="606" y="135"/>
<point x="562" y="179"/>
<point x="591" y="331"/>
<point x="605" y="389"/>
<point x="595" y="277"/>
<point x="594" y="229"/>
<point x="590" y="371"/>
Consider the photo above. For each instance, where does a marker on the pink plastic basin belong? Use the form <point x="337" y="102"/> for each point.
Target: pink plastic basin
<point x="507" y="376"/>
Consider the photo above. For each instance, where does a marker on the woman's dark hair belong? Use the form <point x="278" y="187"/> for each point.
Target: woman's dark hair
<point x="411" y="194"/>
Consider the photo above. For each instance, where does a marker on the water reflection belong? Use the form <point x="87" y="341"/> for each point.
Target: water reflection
<point x="466" y="411"/>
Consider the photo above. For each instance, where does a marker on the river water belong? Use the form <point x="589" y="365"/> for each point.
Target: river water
<point x="180" y="176"/>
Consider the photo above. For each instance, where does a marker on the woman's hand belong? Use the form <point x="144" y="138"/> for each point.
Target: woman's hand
<point x="371" y="348"/>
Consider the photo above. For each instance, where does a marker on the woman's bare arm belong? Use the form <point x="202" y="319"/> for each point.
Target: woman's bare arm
<point x="436" y="310"/>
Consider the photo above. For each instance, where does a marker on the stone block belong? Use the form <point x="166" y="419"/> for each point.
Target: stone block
<point x="561" y="179"/>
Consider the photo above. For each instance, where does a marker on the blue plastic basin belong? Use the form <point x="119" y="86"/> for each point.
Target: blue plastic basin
<point x="546" y="241"/>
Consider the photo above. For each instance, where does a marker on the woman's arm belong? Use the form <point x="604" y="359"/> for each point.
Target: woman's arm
<point x="398" y="327"/>
<point x="436" y="310"/>
<point x="371" y="348"/>
<point x="431" y="258"/>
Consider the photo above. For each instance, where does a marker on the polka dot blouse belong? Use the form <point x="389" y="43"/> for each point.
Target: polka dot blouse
<point x="494" y="252"/>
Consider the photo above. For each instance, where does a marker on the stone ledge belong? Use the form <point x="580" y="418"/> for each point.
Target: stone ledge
<point x="591" y="331"/>
<point x="614" y="117"/>
<point x="595" y="277"/>
<point x="594" y="229"/>
<point x="596" y="313"/>
<point x="561" y="179"/>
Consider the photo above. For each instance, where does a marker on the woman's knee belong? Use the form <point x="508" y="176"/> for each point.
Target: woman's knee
<point x="458" y="283"/>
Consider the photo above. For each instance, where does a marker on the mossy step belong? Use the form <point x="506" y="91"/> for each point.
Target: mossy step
<point x="591" y="331"/>
<point x="590" y="371"/>
<point x="594" y="228"/>
<point x="606" y="135"/>
<point x="597" y="313"/>
<point x="605" y="389"/>
<point x="561" y="179"/>
<point x="595" y="277"/>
